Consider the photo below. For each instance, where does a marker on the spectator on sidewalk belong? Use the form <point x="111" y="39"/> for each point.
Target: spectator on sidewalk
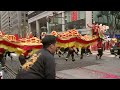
<point x="71" y="52"/>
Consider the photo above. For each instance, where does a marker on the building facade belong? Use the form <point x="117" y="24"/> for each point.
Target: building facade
<point x="14" y="22"/>
<point x="59" y="21"/>
<point x="5" y="21"/>
<point x="0" y="20"/>
<point x="18" y="22"/>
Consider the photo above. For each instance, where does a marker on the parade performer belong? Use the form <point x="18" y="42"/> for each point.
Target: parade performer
<point x="71" y="52"/>
<point x="95" y="28"/>
<point x="88" y="51"/>
<point x="24" y="56"/>
<point x="100" y="47"/>
<point x="82" y="52"/>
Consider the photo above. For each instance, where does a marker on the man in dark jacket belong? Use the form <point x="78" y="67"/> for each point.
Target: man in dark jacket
<point x="2" y="61"/>
<point x="44" y="66"/>
<point x="100" y="47"/>
<point x="82" y="52"/>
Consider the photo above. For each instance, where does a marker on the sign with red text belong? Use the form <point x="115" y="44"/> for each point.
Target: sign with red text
<point x="74" y="15"/>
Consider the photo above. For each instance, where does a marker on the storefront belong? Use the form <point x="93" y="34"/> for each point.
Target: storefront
<point x="72" y="19"/>
<point x="62" y="21"/>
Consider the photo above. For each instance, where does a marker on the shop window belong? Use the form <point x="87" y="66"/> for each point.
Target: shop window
<point x="26" y="20"/>
<point x="81" y="15"/>
<point x="67" y="14"/>
<point x="22" y="14"/>
<point x="22" y="20"/>
<point x="79" y="24"/>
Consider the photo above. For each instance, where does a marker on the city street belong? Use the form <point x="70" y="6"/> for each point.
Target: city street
<point x="23" y="32"/>
<point x="90" y="68"/>
<point x="87" y="68"/>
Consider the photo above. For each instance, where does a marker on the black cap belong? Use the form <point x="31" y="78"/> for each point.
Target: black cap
<point x="48" y="40"/>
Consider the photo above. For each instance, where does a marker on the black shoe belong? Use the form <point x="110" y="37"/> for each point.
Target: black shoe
<point x="90" y="53"/>
<point x="66" y="59"/>
<point x="73" y="60"/>
<point x="81" y="57"/>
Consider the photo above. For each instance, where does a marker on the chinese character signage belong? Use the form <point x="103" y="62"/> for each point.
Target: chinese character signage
<point x="74" y="15"/>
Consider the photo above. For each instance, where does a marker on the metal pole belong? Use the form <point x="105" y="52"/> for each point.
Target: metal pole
<point x="54" y="21"/>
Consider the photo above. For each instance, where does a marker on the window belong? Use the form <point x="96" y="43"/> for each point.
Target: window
<point x="78" y="22"/>
<point x="81" y="15"/>
<point x="56" y="23"/>
<point x="57" y="28"/>
<point x="26" y="15"/>
<point x="22" y="14"/>
<point x="67" y="14"/>
<point x="22" y="20"/>
<point x="59" y="18"/>
<point x="26" y="20"/>
<point x="15" y="21"/>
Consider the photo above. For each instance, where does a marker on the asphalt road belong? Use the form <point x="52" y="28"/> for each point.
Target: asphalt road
<point x="61" y="63"/>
